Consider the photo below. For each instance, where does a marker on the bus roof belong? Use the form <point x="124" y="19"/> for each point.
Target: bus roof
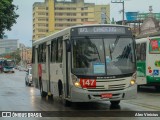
<point x="66" y="31"/>
<point x="142" y="40"/>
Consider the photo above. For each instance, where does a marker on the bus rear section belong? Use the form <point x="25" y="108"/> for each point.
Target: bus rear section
<point x="153" y="63"/>
<point x="148" y="61"/>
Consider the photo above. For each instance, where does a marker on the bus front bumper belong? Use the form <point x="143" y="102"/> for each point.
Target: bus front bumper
<point x="81" y="95"/>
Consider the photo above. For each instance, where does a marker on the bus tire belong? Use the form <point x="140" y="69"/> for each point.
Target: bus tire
<point x="157" y="88"/>
<point x="138" y="87"/>
<point x="115" y="103"/>
<point x="50" y="97"/>
<point x="66" y="103"/>
<point x="43" y="94"/>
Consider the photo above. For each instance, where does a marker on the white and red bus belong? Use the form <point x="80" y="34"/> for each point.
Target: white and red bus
<point x="86" y="63"/>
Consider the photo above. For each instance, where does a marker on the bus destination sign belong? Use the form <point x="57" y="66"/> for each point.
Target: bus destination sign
<point x="101" y="30"/>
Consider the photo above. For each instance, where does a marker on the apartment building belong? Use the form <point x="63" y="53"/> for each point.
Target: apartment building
<point x="26" y="54"/>
<point x="54" y="15"/>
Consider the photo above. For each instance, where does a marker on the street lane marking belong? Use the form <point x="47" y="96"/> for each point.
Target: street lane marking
<point x="145" y="105"/>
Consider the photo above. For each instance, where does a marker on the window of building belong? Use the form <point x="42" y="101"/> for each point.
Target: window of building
<point x="42" y="30"/>
<point x="84" y="8"/>
<point x="84" y="14"/>
<point x="103" y="9"/>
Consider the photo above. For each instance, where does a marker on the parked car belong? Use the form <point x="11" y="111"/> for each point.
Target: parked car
<point x="28" y="78"/>
<point x="22" y="68"/>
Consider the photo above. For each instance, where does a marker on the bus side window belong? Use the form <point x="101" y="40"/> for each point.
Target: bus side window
<point x="44" y="52"/>
<point x="138" y="51"/>
<point x="33" y="55"/>
<point x="54" y="50"/>
<point x="39" y="53"/>
<point x="143" y="51"/>
<point x="60" y="49"/>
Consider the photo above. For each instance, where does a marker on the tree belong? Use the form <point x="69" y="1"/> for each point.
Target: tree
<point x="7" y="15"/>
<point x="16" y="56"/>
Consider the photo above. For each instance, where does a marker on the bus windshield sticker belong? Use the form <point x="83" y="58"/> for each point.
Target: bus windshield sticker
<point x="154" y="46"/>
<point x="155" y="72"/>
<point x="99" y="68"/>
<point x="108" y="59"/>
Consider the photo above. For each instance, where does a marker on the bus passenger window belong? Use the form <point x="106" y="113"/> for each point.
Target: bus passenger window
<point x="54" y="50"/>
<point x="138" y="49"/>
<point x="60" y="50"/>
<point x="143" y="51"/>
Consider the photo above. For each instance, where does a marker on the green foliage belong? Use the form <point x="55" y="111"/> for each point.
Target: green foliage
<point x="7" y="15"/>
<point x="16" y="56"/>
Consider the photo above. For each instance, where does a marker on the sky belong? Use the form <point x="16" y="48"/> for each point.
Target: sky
<point x="22" y="30"/>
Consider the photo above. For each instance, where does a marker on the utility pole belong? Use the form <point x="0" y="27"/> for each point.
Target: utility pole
<point x="120" y="1"/>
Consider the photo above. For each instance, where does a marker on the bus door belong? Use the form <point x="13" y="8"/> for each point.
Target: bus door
<point x="49" y="75"/>
<point x="141" y="63"/>
<point x="67" y="59"/>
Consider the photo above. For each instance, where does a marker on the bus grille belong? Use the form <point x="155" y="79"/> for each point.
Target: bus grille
<point x="113" y="87"/>
<point x="110" y="88"/>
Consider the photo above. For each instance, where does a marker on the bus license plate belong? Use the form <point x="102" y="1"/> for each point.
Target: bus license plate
<point x="107" y="95"/>
<point x="88" y="83"/>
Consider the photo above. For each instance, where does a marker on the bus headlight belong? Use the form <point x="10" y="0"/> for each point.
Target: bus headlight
<point x="75" y="81"/>
<point x="77" y="84"/>
<point x="133" y="80"/>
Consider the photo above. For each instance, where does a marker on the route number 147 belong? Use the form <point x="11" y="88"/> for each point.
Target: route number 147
<point x="88" y="83"/>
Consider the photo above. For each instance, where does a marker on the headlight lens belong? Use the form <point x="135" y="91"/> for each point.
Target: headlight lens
<point x="77" y="84"/>
<point x="133" y="80"/>
<point x="75" y="81"/>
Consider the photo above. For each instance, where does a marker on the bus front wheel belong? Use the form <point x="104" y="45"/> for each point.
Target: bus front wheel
<point x="43" y="94"/>
<point x="115" y="103"/>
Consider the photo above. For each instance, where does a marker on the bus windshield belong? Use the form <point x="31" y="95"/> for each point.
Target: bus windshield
<point x="9" y="63"/>
<point x="103" y="56"/>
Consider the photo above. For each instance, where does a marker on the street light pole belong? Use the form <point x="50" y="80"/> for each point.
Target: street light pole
<point x="121" y="1"/>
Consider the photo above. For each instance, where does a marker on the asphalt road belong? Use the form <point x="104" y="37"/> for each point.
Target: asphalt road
<point x="16" y="96"/>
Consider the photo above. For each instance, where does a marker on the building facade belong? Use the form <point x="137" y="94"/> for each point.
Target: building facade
<point x="26" y="55"/>
<point x="8" y="45"/>
<point x="53" y="15"/>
